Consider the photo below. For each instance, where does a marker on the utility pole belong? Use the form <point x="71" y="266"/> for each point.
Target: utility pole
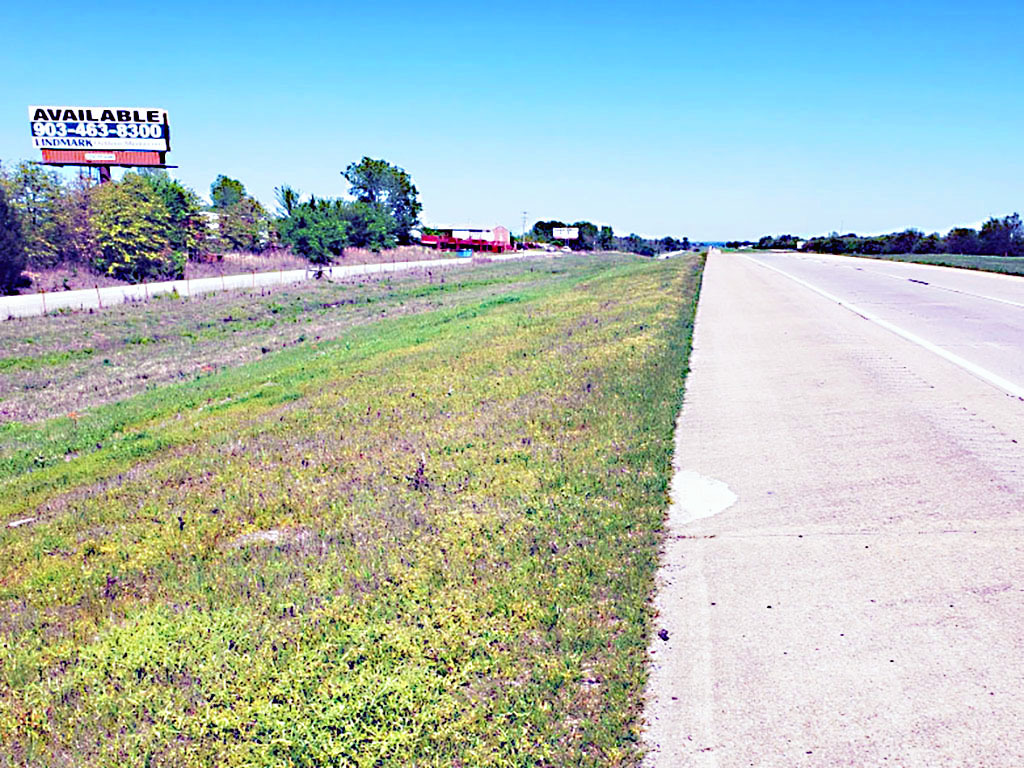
<point x="524" y="231"/>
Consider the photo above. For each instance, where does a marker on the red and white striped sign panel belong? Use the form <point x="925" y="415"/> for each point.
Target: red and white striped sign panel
<point x="102" y="157"/>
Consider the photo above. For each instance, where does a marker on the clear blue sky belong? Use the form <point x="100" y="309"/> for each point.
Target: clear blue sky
<point x="713" y="120"/>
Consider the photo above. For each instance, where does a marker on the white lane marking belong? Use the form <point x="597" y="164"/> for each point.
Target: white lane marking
<point x="930" y="284"/>
<point x="696" y="496"/>
<point x="982" y="373"/>
<point x="1018" y="304"/>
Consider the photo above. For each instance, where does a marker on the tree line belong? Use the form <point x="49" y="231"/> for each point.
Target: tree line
<point x="602" y="238"/>
<point x="148" y="225"/>
<point x="997" y="237"/>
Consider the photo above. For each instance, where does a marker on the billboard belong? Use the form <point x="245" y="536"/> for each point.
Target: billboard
<point x="123" y="157"/>
<point x="565" y="233"/>
<point x="99" y="128"/>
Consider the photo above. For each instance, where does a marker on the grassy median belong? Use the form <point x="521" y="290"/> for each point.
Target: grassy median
<point x="425" y="540"/>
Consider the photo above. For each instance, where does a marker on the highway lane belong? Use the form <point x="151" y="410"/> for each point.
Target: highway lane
<point x="842" y="581"/>
<point x="978" y="316"/>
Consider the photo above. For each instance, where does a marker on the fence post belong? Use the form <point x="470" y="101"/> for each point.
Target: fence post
<point x="99" y="299"/>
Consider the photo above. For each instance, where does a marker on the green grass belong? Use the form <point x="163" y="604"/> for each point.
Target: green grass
<point x="135" y="347"/>
<point x="31" y="363"/>
<point x="429" y="540"/>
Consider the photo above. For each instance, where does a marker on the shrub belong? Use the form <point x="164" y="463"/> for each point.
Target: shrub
<point x="320" y="230"/>
<point x="314" y="232"/>
<point x="133" y="232"/>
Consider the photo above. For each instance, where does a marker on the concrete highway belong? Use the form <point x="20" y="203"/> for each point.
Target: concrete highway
<point x="843" y="576"/>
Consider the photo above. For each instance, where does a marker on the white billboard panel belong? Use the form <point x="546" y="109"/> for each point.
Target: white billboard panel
<point x="565" y="233"/>
<point x="65" y="127"/>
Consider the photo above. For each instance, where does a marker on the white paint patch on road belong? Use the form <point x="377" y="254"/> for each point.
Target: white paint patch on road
<point x="695" y="497"/>
<point x="982" y="373"/>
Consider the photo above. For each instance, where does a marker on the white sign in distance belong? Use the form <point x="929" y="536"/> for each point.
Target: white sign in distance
<point x="565" y="233"/>
<point x="63" y="127"/>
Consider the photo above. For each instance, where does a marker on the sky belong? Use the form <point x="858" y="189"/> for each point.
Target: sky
<point x="717" y="120"/>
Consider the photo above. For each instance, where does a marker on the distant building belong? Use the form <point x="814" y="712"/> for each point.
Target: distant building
<point x="495" y="240"/>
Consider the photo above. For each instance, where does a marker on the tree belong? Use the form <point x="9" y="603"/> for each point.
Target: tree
<point x="929" y="244"/>
<point x="242" y="222"/>
<point x="962" y="240"/>
<point x="76" y="242"/>
<point x="12" y="247"/>
<point x="834" y="243"/>
<point x="243" y="226"/>
<point x="874" y="246"/>
<point x="902" y="242"/>
<point x="668" y="244"/>
<point x="587" y="239"/>
<point x="225" y="192"/>
<point x="287" y="199"/>
<point x="606" y="239"/>
<point x="370" y="226"/>
<point x="636" y="244"/>
<point x="1002" y="237"/>
<point x="378" y="183"/>
<point x="187" y="227"/>
<point x="133" y="232"/>
<point x="37" y="195"/>
<point x="542" y="231"/>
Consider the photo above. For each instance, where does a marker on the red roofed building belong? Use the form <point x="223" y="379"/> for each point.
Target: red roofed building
<point x="495" y="240"/>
